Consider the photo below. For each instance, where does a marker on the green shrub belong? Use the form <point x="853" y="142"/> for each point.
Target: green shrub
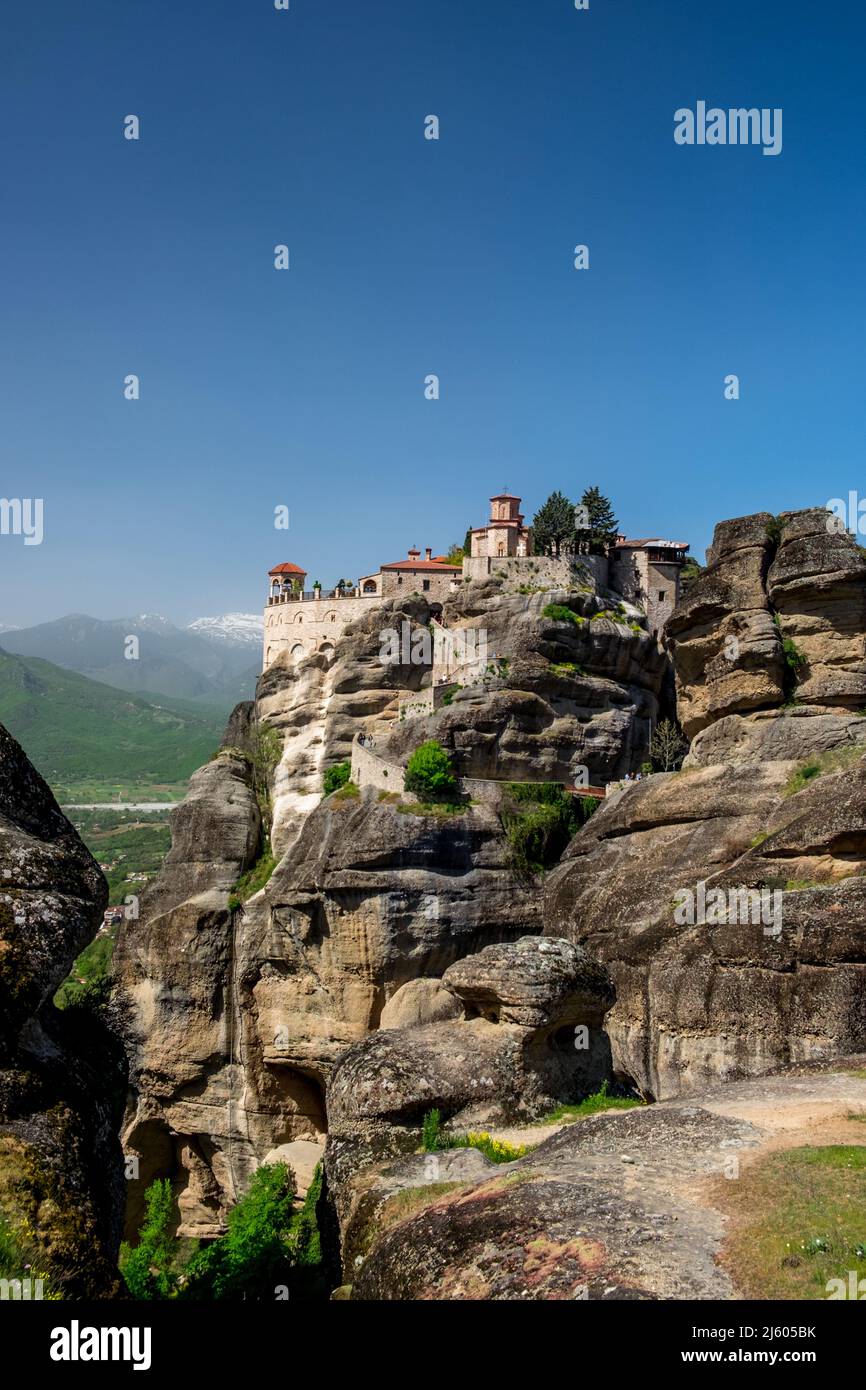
<point x="267" y="1244"/>
<point x="254" y="879"/>
<point x="834" y="760"/>
<point x="560" y="614"/>
<point x="539" y="819"/>
<point x="430" y="1131"/>
<point x="336" y="777"/>
<point x="429" y="773"/>
<point x="147" y="1269"/>
<point x="794" y="659"/>
<point x="266" y="749"/>
<point x="256" y="1252"/>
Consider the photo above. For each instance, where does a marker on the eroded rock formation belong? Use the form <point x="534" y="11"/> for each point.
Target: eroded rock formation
<point x="62" y="1076"/>
<point x="703" y="1000"/>
<point x="238" y="1018"/>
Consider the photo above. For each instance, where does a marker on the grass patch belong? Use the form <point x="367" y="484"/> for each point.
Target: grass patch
<point x="254" y="879"/>
<point x="590" y="1105"/>
<point x="834" y="761"/>
<point x="348" y="792"/>
<point x="441" y="809"/>
<point x="798" y="1222"/>
<point x="406" y="1204"/>
<point x="559" y="613"/>
<point x="567" y="668"/>
<point x="759" y="839"/>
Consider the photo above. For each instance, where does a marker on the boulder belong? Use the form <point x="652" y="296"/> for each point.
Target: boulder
<point x="62" y="1073"/>
<point x="419" y="1002"/>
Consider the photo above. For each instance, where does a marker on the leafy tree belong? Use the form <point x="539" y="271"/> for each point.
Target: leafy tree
<point x="539" y="820"/>
<point x="429" y="773"/>
<point x="456" y="554"/>
<point x="345" y="584"/>
<point x="667" y="747"/>
<point x="336" y="777"/>
<point x="467" y="542"/>
<point x="147" y="1269"/>
<point x="553" y="526"/>
<point x="601" y="528"/>
<point x="255" y="1254"/>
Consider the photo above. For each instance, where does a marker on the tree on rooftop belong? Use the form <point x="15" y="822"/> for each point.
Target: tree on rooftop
<point x="601" y="527"/>
<point x="553" y="526"/>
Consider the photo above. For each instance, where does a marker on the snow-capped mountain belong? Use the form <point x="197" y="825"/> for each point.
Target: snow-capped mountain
<point x="231" y="627"/>
<point x="9" y="627"/>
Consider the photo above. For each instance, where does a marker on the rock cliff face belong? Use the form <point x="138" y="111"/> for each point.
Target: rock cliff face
<point x="239" y="1018"/>
<point x="731" y="998"/>
<point x="61" y="1075"/>
<point x="386" y="966"/>
<point x="319" y="705"/>
<point x="575" y="694"/>
<point x="771" y="581"/>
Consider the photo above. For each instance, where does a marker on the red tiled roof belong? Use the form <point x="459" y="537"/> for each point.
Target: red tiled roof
<point x="286" y="569"/>
<point x="652" y="540"/>
<point x="421" y="565"/>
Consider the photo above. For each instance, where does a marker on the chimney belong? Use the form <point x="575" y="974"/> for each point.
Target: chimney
<point x="414" y="553"/>
<point x="429" y="553"/>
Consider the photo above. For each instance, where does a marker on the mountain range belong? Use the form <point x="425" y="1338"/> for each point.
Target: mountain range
<point x="82" y="733"/>
<point x="212" y="660"/>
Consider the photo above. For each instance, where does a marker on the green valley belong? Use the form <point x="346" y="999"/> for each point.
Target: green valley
<point x="92" y="742"/>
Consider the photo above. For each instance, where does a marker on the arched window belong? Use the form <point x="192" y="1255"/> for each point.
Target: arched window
<point x="370" y="586"/>
<point x="297" y="651"/>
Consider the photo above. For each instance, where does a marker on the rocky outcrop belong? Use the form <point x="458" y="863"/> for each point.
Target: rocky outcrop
<point x="531" y="1036"/>
<point x="697" y="998"/>
<point x="778" y="618"/>
<point x="617" y="1207"/>
<point x="319" y="704"/>
<point x="574" y="694"/>
<point x="238" y="1018"/>
<point x="61" y="1072"/>
<point x="175" y="978"/>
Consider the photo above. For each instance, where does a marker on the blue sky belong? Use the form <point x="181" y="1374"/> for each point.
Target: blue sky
<point x="306" y="388"/>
